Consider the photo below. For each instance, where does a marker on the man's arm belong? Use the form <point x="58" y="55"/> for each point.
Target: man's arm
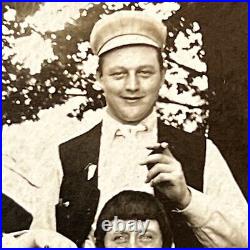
<point x="36" y="239"/>
<point x="37" y="192"/>
<point x="218" y="216"/>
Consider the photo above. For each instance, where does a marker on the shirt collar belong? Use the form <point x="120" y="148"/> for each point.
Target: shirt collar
<point x="111" y="125"/>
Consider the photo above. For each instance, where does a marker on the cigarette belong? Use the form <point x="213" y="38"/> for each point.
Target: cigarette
<point x="164" y="145"/>
<point x="161" y="148"/>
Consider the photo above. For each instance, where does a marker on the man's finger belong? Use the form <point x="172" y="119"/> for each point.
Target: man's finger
<point x="155" y="146"/>
<point x="160" y="178"/>
<point x="159" y="168"/>
<point x="167" y="151"/>
<point x="156" y="158"/>
<point x="51" y="239"/>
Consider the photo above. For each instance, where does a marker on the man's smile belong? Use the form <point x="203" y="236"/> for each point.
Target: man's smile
<point x="132" y="99"/>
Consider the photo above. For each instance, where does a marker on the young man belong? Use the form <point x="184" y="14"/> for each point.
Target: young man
<point x="190" y="176"/>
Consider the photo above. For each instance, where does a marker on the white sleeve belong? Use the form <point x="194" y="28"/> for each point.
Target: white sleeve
<point x="218" y="216"/>
<point x="45" y="212"/>
<point x="35" y="189"/>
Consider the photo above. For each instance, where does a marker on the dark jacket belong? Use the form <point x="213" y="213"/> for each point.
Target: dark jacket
<point x="14" y="217"/>
<point x="79" y="196"/>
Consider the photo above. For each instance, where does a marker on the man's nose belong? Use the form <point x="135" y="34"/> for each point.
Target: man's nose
<point x="132" y="243"/>
<point x="132" y="83"/>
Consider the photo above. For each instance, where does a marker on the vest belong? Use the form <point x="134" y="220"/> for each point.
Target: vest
<point x="79" y="197"/>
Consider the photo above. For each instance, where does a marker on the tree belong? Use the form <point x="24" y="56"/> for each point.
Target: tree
<point x="68" y="68"/>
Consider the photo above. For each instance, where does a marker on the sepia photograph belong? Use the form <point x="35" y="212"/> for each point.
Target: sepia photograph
<point x="124" y="124"/>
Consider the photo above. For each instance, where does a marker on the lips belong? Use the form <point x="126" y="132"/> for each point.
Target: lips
<point x="132" y="99"/>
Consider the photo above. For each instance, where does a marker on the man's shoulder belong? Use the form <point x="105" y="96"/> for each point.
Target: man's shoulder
<point x="180" y="133"/>
<point x="94" y="131"/>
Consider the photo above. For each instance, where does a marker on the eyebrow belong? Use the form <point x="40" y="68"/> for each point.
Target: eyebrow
<point x="120" y="232"/>
<point x="147" y="66"/>
<point x="150" y="231"/>
<point x="117" y="68"/>
<point x="140" y="67"/>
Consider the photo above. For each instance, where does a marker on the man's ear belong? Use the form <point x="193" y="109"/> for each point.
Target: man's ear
<point x="99" y="79"/>
<point x="98" y="76"/>
<point x="163" y="73"/>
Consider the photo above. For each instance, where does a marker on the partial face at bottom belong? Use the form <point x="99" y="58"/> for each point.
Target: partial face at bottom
<point x="129" y="236"/>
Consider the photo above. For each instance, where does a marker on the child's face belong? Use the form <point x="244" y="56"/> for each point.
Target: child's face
<point x="134" y="237"/>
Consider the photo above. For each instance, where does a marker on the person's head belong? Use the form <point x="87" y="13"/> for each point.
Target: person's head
<point x="131" y="72"/>
<point x="140" y="208"/>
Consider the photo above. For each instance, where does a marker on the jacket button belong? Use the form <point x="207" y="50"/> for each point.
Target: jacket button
<point x="88" y="211"/>
<point x="68" y="216"/>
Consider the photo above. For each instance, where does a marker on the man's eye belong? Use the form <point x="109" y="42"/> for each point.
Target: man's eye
<point x="145" y="73"/>
<point x="118" y="74"/>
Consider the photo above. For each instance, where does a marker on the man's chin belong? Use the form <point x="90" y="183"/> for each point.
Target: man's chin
<point x="133" y="119"/>
<point x="129" y="116"/>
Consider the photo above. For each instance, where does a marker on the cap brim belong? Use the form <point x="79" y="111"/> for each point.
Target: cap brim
<point x="124" y="40"/>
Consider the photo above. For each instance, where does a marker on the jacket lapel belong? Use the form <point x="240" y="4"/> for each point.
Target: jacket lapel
<point x="89" y="154"/>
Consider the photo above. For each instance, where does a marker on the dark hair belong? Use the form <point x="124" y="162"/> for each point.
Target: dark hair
<point x="135" y="205"/>
<point x="101" y="58"/>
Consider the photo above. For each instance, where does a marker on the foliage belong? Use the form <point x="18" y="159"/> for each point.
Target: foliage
<point x="58" y="63"/>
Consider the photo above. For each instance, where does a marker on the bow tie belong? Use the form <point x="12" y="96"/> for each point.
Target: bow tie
<point x="130" y="130"/>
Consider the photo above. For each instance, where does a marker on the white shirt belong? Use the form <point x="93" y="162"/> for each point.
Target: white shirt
<point x="218" y="216"/>
<point x="122" y="148"/>
<point x="120" y="155"/>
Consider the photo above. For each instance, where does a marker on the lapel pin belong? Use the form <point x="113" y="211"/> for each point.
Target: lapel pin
<point x="91" y="168"/>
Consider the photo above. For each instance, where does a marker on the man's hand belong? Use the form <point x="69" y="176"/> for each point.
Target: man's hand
<point x="167" y="176"/>
<point x="38" y="238"/>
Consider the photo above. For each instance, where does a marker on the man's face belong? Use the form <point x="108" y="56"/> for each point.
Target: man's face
<point x="126" y="238"/>
<point x="131" y="79"/>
